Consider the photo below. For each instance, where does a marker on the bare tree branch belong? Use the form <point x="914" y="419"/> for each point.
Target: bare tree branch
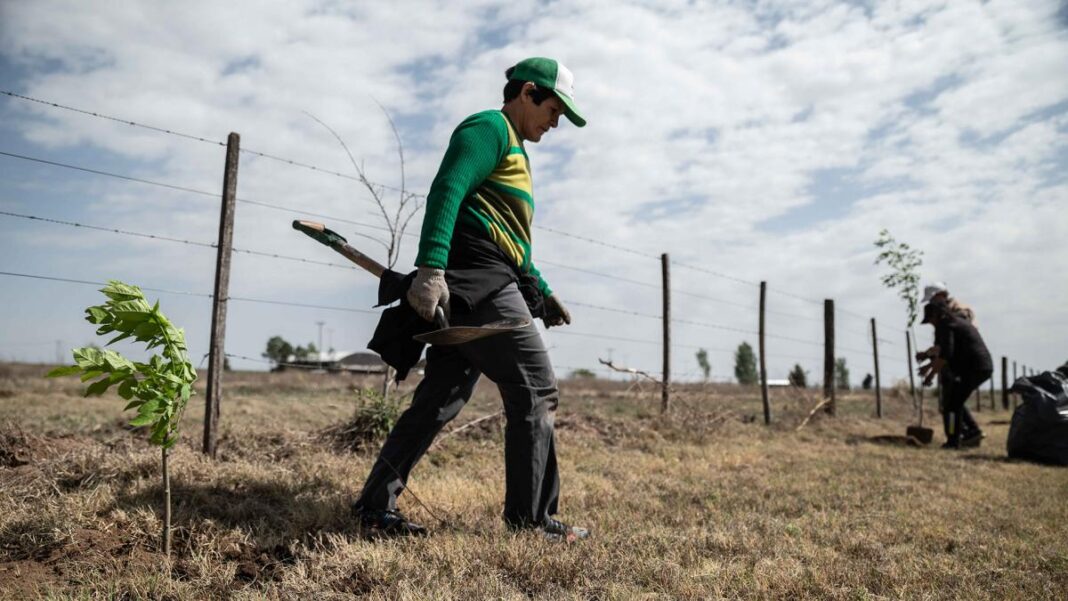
<point x="628" y="370"/>
<point x="375" y="194"/>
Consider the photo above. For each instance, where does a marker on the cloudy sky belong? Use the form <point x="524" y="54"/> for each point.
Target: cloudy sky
<point x="754" y="140"/>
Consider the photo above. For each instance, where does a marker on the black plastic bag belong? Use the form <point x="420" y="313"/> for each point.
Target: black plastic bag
<point x="1039" y="430"/>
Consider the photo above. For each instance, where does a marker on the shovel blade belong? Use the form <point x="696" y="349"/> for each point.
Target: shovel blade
<point x="462" y="334"/>
<point x="920" y="433"/>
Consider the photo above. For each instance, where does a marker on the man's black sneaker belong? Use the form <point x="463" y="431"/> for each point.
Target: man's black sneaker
<point x="385" y="522"/>
<point x="557" y="531"/>
<point x="951" y="445"/>
<point x="972" y="440"/>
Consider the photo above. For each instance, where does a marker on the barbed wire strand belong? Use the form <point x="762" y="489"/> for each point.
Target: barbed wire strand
<point x="112" y="230"/>
<point x="130" y="122"/>
<point x="196" y="294"/>
<point x="164" y="130"/>
<point x="193" y="190"/>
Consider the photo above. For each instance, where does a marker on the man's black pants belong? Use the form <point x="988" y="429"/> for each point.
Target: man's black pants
<point x="519" y="364"/>
<point x="956" y="418"/>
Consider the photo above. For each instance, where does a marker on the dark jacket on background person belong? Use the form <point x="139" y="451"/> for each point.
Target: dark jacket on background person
<point x="962" y="347"/>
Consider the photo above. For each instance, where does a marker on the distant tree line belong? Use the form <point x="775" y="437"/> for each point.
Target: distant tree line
<point x="280" y="351"/>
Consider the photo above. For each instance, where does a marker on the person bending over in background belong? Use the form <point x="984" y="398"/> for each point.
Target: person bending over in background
<point x="964" y="364"/>
<point x="939" y="292"/>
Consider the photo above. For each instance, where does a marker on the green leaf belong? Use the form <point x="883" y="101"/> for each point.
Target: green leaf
<point x="122" y="336"/>
<point x="90" y="374"/>
<point x="98" y="388"/>
<point x="126" y="390"/>
<point x="88" y="357"/>
<point x="66" y="370"/>
<point x="132" y="404"/>
<point x="159" y="433"/>
<point x="117" y="362"/>
<point x="149" y="407"/>
<point x="96" y="315"/>
<point x="142" y="420"/>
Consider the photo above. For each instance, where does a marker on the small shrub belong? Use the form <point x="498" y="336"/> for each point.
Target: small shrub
<point x="374" y="417"/>
<point x="583" y="374"/>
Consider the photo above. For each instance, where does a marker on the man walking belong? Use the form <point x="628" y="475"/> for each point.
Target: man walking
<point x="964" y="363"/>
<point x="475" y="261"/>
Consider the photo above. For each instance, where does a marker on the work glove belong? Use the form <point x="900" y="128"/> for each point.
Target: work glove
<point x="428" y="290"/>
<point x="556" y="313"/>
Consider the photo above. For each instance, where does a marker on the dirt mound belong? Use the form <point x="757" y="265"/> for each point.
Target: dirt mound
<point x="17" y="447"/>
<point x="264" y="564"/>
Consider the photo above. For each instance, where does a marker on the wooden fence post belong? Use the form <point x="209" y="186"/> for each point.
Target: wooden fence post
<point x="217" y="349"/>
<point x="665" y="397"/>
<point x="1013" y="396"/>
<point x="828" y="355"/>
<point x="763" y="365"/>
<point x="1004" y="382"/>
<point x="992" y="405"/>
<point x="875" y="354"/>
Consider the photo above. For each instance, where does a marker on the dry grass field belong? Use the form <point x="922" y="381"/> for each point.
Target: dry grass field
<point x="706" y="504"/>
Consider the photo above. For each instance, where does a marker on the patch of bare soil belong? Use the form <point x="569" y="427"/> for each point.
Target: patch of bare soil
<point x="263" y="565"/>
<point x="611" y="432"/>
<point x="25" y="579"/>
<point x="28" y="568"/>
<point x="16" y="446"/>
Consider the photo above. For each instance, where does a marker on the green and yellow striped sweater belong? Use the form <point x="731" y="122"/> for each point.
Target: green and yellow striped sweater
<point x="484" y="181"/>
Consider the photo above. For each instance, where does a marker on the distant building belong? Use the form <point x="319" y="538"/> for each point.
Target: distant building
<point x="784" y="383"/>
<point x="338" y="361"/>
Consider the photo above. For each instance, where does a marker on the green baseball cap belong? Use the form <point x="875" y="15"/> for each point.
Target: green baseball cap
<point x="547" y="73"/>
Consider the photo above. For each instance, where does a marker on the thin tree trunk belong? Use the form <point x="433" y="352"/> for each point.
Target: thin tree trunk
<point x="166" y="506"/>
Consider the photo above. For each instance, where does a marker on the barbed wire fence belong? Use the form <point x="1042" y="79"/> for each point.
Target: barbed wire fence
<point x="854" y="337"/>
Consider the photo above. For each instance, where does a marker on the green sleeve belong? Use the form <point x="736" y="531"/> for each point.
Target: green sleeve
<point x="542" y="284"/>
<point x="475" y="149"/>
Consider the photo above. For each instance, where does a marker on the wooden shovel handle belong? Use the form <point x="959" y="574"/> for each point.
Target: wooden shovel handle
<point x="360" y="259"/>
<point x="336" y="242"/>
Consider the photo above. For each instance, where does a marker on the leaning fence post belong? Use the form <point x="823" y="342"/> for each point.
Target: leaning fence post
<point x="217" y="348"/>
<point x="875" y="354"/>
<point x="1004" y="382"/>
<point x="665" y="398"/>
<point x="828" y="355"/>
<point x="763" y="364"/>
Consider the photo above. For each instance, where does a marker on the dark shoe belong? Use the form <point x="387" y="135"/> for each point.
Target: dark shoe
<point x="385" y="522"/>
<point x="951" y="445"/>
<point x="972" y="440"/>
<point x="557" y="531"/>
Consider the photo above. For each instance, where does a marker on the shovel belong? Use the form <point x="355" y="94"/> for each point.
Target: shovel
<point x="919" y="432"/>
<point x="443" y="335"/>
